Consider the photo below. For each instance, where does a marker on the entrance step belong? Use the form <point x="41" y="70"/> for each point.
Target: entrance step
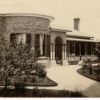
<point x="59" y="62"/>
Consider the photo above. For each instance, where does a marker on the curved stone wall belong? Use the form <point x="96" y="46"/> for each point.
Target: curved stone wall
<point x="24" y="27"/>
<point x="24" y="23"/>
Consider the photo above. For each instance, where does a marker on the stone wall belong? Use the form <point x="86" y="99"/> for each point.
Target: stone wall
<point x="2" y="26"/>
<point x="24" y="24"/>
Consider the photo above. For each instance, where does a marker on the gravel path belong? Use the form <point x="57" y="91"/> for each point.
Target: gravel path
<point x="68" y="78"/>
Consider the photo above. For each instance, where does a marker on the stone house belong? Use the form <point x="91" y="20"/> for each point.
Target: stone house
<point x="56" y="45"/>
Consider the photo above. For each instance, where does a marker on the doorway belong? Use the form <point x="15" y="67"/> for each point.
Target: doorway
<point x="58" y="50"/>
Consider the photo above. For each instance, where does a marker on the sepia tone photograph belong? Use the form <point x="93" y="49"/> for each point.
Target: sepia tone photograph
<point x="50" y="48"/>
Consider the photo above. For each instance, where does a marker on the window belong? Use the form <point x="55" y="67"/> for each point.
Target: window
<point x="28" y="39"/>
<point x="17" y="38"/>
<point x="71" y="46"/>
<point x="82" y="49"/>
<point x="42" y="44"/>
<point x="77" y="49"/>
<point x="12" y="38"/>
<point x="94" y="48"/>
<point x="89" y="49"/>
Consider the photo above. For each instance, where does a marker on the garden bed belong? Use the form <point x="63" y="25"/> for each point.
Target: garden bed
<point x="91" y="76"/>
<point x="32" y="81"/>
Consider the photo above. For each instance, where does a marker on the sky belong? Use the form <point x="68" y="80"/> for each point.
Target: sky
<point x="64" y="11"/>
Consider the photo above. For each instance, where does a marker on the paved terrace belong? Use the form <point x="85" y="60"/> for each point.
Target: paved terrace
<point x="68" y="78"/>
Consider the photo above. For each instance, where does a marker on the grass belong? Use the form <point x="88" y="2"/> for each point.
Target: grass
<point x="39" y="93"/>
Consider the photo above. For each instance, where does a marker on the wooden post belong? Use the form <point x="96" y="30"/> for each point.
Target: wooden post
<point x="51" y="52"/>
<point x="68" y="49"/>
<point x="80" y="50"/>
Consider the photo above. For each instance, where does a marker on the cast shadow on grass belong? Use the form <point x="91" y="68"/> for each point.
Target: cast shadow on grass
<point x="93" y="90"/>
<point x="39" y="93"/>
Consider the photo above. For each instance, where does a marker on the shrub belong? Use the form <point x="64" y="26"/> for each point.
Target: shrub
<point x="40" y="70"/>
<point x="34" y="79"/>
<point x="17" y="60"/>
<point x="42" y="73"/>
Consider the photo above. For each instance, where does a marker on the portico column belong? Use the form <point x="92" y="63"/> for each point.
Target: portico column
<point x="64" y="56"/>
<point x="41" y="44"/>
<point x="74" y="51"/>
<point x="52" y="54"/>
<point x="80" y="50"/>
<point x="68" y="49"/>
<point x="64" y="51"/>
<point x="53" y="51"/>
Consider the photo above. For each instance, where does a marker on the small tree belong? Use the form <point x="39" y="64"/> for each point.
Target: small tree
<point x="15" y="60"/>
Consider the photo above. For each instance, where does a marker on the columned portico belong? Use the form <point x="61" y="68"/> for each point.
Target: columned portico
<point x="63" y="54"/>
<point x="58" y="47"/>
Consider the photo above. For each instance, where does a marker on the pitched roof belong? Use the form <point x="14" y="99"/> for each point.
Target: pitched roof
<point x="78" y="34"/>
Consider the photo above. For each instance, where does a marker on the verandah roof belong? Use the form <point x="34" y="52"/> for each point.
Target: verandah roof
<point x="81" y="40"/>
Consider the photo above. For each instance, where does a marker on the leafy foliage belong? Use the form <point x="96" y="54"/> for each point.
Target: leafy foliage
<point x="16" y="60"/>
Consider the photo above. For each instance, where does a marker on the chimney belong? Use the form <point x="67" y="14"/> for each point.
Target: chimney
<point x="76" y="23"/>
